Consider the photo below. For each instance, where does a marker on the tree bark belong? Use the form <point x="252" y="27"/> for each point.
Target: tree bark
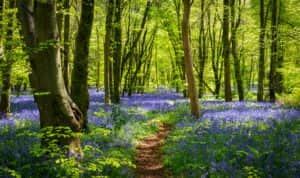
<point x="107" y="50"/>
<point x="98" y="63"/>
<point x="117" y="49"/>
<point x="261" y="66"/>
<point x="66" y="51"/>
<point x="39" y="28"/>
<point x="202" y="51"/>
<point x="79" y="88"/>
<point x="274" y="51"/>
<point x="226" y="52"/>
<point x="235" y="23"/>
<point x="188" y="59"/>
<point x="216" y="52"/>
<point x="280" y="54"/>
<point x="6" y="64"/>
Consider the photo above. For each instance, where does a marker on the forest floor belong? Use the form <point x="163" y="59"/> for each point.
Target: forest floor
<point x="231" y="139"/>
<point x="149" y="162"/>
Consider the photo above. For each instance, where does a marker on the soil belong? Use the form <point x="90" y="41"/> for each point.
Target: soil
<point x="149" y="159"/>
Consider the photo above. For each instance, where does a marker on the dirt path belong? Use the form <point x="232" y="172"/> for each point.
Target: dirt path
<point x="149" y="159"/>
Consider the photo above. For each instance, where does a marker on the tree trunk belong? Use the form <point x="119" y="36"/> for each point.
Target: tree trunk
<point x="6" y="66"/>
<point x="280" y="55"/>
<point x="226" y="52"/>
<point x="117" y="49"/>
<point x="274" y="51"/>
<point x="55" y="106"/>
<point x="79" y="88"/>
<point x="216" y="52"/>
<point x="66" y="51"/>
<point x="107" y="50"/>
<point x="235" y="23"/>
<point x="202" y="51"/>
<point x="39" y="27"/>
<point x="261" y="66"/>
<point x="188" y="59"/>
<point x="98" y="63"/>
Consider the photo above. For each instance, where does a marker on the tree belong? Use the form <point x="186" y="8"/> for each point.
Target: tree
<point x="7" y="62"/>
<point x="226" y="51"/>
<point x="39" y="28"/>
<point x="117" y="51"/>
<point x="274" y="50"/>
<point x="202" y="50"/>
<point x="215" y="41"/>
<point x="79" y="87"/>
<point x="188" y="58"/>
<point x="66" y="51"/>
<point x="261" y="67"/>
<point x="235" y="23"/>
<point x="107" y="49"/>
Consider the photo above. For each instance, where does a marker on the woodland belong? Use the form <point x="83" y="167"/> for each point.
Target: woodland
<point x="149" y="88"/>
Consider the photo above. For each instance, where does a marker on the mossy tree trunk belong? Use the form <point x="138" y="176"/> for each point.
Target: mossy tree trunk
<point x="66" y="51"/>
<point x="261" y="66"/>
<point x="79" y="87"/>
<point x="107" y="50"/>
<point x="117" y="51"/>
<point x="39" y="28"/>
<point x="226" y="51"/>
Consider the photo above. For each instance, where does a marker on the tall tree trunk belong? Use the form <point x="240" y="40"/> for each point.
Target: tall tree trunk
<point x="235" y="23"/>
<point x="97" y="55"/>
<point x="117" y="49"/>
<point x="79" y="88"/>
<point x="107" y="50"/>
<point x="280" y="55"/>
<point x="226" y="52"/>
<point x="178" y="8"/>
<point x="188" y="59"/>
<point x="279" y="75"/>
<point x="6" y="66"/>
<point x="66" y="51"/>
<point x="261" y="66"/>
<point x="39" y="27"/>
<point x="216" y="51"/>
<point x="202" y="51"/>
<point x="274" y="50"/>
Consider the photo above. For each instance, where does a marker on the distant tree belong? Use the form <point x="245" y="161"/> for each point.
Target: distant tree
<point x="39" y="28"/>
<point x="215" y="45"/>
<point x="188" y="58"/>
<point x="274" y="50"/>
<point x="79" y="87"/>
<point x="107" y="49"/>
<point x="202" y="49"/>
<point x="235" y="24"/>
<point x="226" y="51"/>
<point x="261" y="67"/>
<point x="7" y="62"/>
<point x="133" y="39"/>
<point x="176" y="38"/>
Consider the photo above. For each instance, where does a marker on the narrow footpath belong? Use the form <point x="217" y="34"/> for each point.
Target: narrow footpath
<point x="149" y="159"/>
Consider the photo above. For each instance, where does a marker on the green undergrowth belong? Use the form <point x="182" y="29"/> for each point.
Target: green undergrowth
<point x="107" y="152"/>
